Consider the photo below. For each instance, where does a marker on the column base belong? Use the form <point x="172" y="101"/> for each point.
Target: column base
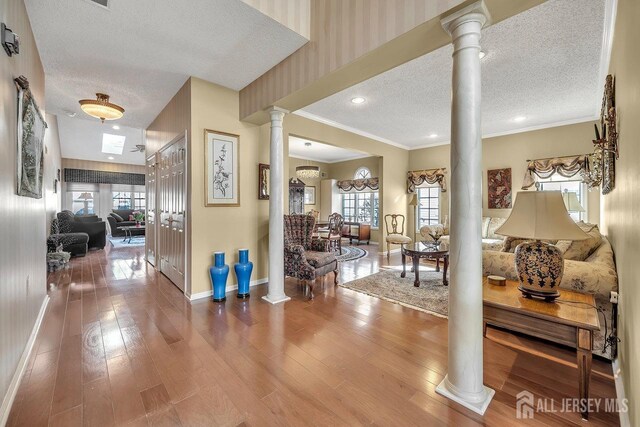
<point x="478" y="407"/>
<point x="276" y="300"/>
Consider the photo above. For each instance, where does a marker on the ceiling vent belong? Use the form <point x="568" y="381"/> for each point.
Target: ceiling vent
<point x="102" y="3"/>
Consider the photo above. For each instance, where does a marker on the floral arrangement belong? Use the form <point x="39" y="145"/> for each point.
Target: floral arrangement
<point x="138" y="216"/>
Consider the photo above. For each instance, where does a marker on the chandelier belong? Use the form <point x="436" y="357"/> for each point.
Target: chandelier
<point x="308" y="172"/>
<point x="101" y="108"/>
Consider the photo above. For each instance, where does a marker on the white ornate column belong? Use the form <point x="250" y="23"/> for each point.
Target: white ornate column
<point x="463" y="382"/>
<point x="276" y="210"/>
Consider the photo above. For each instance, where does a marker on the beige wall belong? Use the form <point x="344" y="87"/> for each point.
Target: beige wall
<point x="53" y="163"/>
<point x="175" y="118"/>
<point x="293" y="14"/>
<point x="23" y="225"/>
<point x="392" y="163"/>
<point x="226" y="228"/>
<point x="621" y="207"/>
<point x="513" y="151"/>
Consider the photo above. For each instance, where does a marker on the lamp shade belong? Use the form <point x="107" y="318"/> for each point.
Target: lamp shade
<point x="540" y="215"/>
<point x="85" y="196"/>
<point x="414" y="200"/>
<point x="571" y="201"/>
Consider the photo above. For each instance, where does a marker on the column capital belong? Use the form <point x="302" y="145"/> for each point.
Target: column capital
<point x="477" y="12"/>
<point x="274" y="109"/>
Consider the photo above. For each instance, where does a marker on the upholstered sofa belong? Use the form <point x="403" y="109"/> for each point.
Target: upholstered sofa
<point x="490" y="240"/>
<point x="589" y="267"/>
<point x="66" y="222"/>
<point x="120" y="218"/>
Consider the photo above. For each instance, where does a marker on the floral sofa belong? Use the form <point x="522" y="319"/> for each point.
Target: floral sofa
<point x="589" y="267"/>
<point x="490" y="240"/>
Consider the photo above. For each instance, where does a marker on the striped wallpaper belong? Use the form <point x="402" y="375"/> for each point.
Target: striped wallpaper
<point x="341" y="31"/>
<point x="293" y="14"/>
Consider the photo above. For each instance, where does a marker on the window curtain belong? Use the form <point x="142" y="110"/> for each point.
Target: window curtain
<point x="359" y="184"/>
<point x="565" y="166"/>
<point x="430" y="176"/>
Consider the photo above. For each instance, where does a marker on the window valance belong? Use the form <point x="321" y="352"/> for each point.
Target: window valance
<point x="359" y="184"/>
<point x="566" y="166"/>
<point x="430" y="176"/>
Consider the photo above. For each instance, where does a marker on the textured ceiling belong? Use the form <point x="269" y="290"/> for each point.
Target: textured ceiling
<point x="543" y="64"/>
<point x="321" y="152"/>
<point x="141" y="51"/>
<point x="83" y="140"/>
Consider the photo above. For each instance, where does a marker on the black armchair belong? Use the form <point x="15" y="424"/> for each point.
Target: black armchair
<point x="69" y="223"/>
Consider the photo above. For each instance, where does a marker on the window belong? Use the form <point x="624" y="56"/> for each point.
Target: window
<point x="362" y="173"/>
<point x="128" y="200"/>
<point x="559" y="183"/>
<point x="82" y="202"/>
<point x="428" y="206"/>
<point x="361" y="207"/>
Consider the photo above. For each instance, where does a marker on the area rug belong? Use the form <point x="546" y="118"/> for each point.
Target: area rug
<point x="431" y="297"/>
<point x="135" y="241"/>
<point x="350" y="253"/>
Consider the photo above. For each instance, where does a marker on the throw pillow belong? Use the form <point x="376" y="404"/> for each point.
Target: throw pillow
<point x="494" y="224"/>
<point x="116" y="216"/>
<point x="579" y="250"/>
<point x="131" y="218"/>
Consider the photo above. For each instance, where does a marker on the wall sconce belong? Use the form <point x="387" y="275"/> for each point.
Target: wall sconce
<point x="10" y="40"/>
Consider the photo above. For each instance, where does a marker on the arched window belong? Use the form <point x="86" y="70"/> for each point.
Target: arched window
<point x="362" y="173"/>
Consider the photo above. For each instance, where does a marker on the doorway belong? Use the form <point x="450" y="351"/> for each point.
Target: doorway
<point x="170" y="179"/>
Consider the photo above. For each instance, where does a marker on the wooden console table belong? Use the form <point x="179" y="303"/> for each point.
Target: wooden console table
<point x="571" y="320"/>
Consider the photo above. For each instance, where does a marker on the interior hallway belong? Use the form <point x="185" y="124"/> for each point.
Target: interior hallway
<point x="120" y="345"/>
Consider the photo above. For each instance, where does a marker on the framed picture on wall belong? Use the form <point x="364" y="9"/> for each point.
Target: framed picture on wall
<point x="222" y="168"/>
<point x="264" y="177"/>
<point x="499" y="186"/>
<point x="310" y="195"/>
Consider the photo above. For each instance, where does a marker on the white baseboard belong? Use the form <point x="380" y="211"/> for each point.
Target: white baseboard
<point x="208" y="294"/>
<point x="7" y="402"/>
<point x="620" y="393"/>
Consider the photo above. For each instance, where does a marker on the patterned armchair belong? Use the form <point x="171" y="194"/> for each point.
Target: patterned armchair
<point x="306" y="258"/>
<point x="92" y="226"/>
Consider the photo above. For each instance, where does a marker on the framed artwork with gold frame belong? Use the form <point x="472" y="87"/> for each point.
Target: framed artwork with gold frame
<point x="264" y="177"/>
<point x="222" y="168"/>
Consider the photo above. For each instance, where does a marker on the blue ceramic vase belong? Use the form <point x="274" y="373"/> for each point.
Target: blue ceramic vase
<point x="219" y="273"/>
<point x="243" y="272"/>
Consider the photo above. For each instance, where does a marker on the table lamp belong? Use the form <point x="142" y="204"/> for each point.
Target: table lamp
<point x="540" y="215"/>
<point x="571" y="201"/>
<point x="86" y="197"/>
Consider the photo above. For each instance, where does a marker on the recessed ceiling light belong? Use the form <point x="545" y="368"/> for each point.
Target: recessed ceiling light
<point x="110" y="157"/>
<point x="112" y="144"/>
<point x="70" y="113"/>
<point x="519" y="119"/>
<point x="307" y="144"/>
<point x="115" y="127"/>
<point x="358" y="100"/>
<point x="433" y="135"/>
<point x="481" y="54"/>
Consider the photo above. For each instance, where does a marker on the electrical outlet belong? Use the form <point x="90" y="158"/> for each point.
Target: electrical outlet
<point x="614" y="297"/>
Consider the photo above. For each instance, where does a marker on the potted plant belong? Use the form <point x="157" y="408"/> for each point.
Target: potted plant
<point x="138" y="217"/>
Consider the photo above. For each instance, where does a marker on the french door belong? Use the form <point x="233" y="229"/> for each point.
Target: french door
<point x="150" y="220"/>
<point x="171" y="208"/>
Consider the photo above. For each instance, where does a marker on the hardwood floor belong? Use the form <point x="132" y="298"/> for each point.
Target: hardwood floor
<point x="120" y="345"/>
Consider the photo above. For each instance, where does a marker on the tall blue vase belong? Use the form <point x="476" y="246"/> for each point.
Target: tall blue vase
<point x="219" y="273"/>
<point x="243" y="272"/>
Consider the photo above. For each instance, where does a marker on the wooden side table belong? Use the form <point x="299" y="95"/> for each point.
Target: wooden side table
<point x="570" y="320"/>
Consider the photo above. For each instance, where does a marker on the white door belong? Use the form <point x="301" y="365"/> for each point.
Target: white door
<point x="171" y="203"/>
<point x="151" y="212"/>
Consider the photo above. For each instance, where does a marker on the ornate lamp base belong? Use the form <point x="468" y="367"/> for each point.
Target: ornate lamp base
<point x="540" y="267"/>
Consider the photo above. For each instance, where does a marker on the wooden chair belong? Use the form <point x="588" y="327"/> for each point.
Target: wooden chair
<point x="394" y="224"/>
<point x="334" y="234"/>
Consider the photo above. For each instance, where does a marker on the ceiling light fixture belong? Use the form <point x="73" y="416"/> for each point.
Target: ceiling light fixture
<point x="110" y="157"/>
<point x="101" y="108"/>
<point x="433" y="135"/>
<point x="519" y="119"/>
<point x="308" y="172"/>
<point x="482" y="54"/>
<point x="70" y="113"/>
<point x="307" y="144"/>
<point x="115" y="127"/>
<point x="358" y="100"/>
